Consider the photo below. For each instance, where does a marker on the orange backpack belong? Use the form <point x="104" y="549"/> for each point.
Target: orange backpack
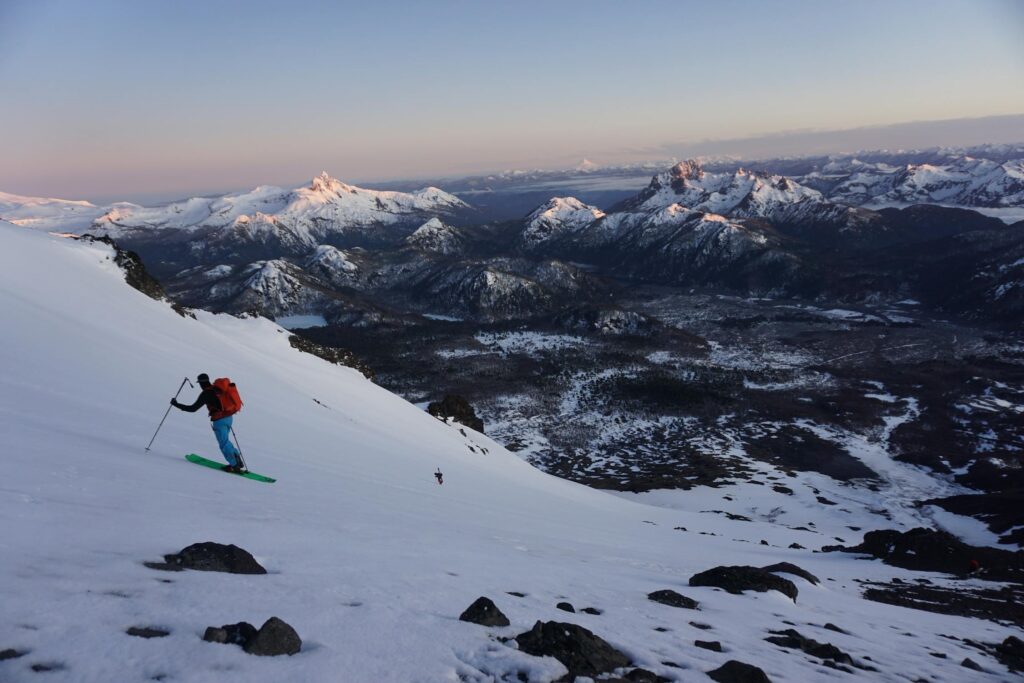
<point x="227" y="393"/>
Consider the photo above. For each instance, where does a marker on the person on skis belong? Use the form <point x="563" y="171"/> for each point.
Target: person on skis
<point x="219" y="420"/>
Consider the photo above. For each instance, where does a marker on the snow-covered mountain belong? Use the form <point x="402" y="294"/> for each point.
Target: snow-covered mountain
<point x="436" y="237"/>
<point x="369" y="559"/>
<point x="740" y="194"/>
<point x="964" y="181"/>
<point x="556" y="218"/>
<point x="59" y="215"/>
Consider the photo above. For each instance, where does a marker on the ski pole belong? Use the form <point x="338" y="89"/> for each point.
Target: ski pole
<point x="169" y="411"/>
<point x="239" y="449"/>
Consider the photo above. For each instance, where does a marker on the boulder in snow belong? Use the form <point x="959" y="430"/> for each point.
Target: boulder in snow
<point x="738" y="672"/>
<point x="213" y="557"/>
<point x="582" y="652"/>
<point x="483" y="611"/>
<point x="275" y="637"/>
<point x="673" y="599"/>
<point x="737" y="579"/>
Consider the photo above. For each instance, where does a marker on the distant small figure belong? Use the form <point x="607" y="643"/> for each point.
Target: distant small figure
<point x="973" y="567"/>
<point x="439" y="476"/>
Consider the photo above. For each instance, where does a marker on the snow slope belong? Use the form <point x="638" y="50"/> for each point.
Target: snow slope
<point x="369" y="559"/>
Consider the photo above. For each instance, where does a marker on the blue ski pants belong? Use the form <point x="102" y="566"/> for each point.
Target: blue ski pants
<point x="222" y="428"/>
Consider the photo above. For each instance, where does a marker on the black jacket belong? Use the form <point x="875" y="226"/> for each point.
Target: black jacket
<point x="208" y="398"/>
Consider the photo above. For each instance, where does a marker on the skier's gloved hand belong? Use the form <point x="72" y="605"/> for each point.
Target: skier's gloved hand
<point x="174" y="402"/>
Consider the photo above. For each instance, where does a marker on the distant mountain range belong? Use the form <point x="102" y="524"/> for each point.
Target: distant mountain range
<point x="847" y="229"/>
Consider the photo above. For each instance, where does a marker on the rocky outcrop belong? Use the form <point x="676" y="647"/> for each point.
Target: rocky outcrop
<point x="456" y="408"/>
<point x="938" y="551"/>
<point x="331" y="354"/>
<point x="582" y="652"/>
<point x="135" y="273"/>
<point x="737" y="579"/>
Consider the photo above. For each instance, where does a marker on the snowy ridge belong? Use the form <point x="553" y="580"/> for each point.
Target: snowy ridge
<point x="60" y="215"/>
<point x="965" y="181"/>
<point x="557" y="217"/>
<point x="299" y="217"/>
<point x="435" y="236"/>
<point x="741" y="194"/>
<point x="369" y="559"/>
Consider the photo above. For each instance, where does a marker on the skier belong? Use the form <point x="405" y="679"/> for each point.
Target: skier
<point x="220" y="422"/>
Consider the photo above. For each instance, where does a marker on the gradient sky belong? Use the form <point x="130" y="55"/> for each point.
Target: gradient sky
<point x="124" y="99"/>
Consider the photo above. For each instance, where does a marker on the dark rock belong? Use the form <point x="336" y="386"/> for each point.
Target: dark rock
<point x="779" y="488"/>
<point x="1010" y="653"/>
<point x="516" y="594"/>
<point x="795" y="641"/>
<point x="738" y="672"/>
<point x="275" y="637"/>
<point x="579" y="650"/>
<point x="737" y="579"/>
<point x="832" y="627"/>
<point x="929" y="550"/>
<point x="43" y="667"/>
<point x="215" y="557"/>
<point x="969" y="663"/>
<point x="484" y="612"/>
<point x="644" y="676"/>
<point x="796" y="546"/>
<point x="702" y="627"/>
<point x="458" y="409"/>
<point x="135" y="273"/>
<point x="825" y="501"/>
<point x="331" y="354"/>
<point x="592" y="610"/>
<point x="566" y="607"/>
<point x="234" y="634"/>
<point x="147" y="632"/>
<point x="11" y="653"/>
<point x="712" y="645"/>
<point x="790" y="568"/>
<point x="673" y="599"/>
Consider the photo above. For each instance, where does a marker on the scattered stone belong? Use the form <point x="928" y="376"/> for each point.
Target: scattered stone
<point x="702" y="627"/>
<point x="42" y="667"/>
<point x="592" y="610"/>
<point x="779" y="488"/>
<point x="825" y="501"/>
<point x="212" y="557"/>
<point x="764" y="542"/>
<point x="275" y="637"/>
<point x="790" y="568"/>
<point x="939" y="655"/>
<point x="662" y="629"/>
<point x="796" y="546"/>
<point x="458" y="409"/>
<point x="566" y="607"/>
<point x="516" y="594"/>
<point x="147" y="632"/>
<point x="738" y="672"/>
<point x="736" y="579"/>
<point x="579" y="650"/>
<point x="679" y="528"/>
<point x="484" y="612"/>
<point x="712" y="645"/>
<point x="233" y="634"/>
<point x="832" y="627"/>
<point x="969" y="663"/>
<point x="11" y="653"/>
<point x="673" y="599"/>
<point x="791" y="639"/>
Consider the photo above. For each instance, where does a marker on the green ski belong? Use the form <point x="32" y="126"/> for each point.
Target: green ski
<point x="200" y="460"/>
